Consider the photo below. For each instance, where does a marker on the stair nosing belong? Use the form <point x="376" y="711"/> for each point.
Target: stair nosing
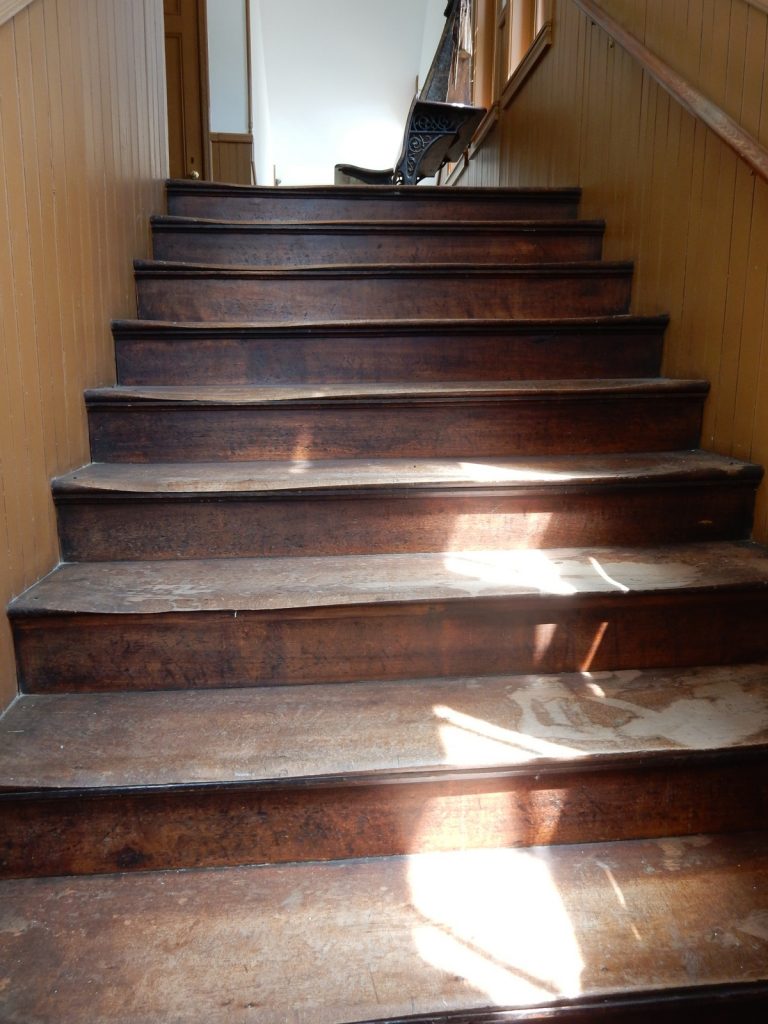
<point x="588" y="764"/>
<point x="395" y="192"/>
<point x="72" y="487"/>
<point x="203" y="396"/>
<point x="188" y="224"/>
<point x="147" y="269"/>
<point x="620" y="322"/>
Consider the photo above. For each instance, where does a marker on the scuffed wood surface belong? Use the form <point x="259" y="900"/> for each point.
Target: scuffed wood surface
<point x="363" y="474"/>
<point x="144" y="739"/>
<point x="384" y="938"/>
<point x="233" y="585"/>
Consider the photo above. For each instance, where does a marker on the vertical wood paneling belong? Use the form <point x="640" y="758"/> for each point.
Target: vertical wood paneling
<point x="82" y="161"/>
<point x="677" y="199"/>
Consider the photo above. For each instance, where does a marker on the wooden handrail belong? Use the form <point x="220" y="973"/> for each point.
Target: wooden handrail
<point x="10" y="7"/>
<point x="695" y="102"/>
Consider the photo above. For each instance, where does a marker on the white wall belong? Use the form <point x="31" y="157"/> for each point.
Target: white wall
<point x="227" y="66"/>
<point x="335" y="82"/>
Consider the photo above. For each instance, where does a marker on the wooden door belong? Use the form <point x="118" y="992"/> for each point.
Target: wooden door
<point x="186" y="76"/>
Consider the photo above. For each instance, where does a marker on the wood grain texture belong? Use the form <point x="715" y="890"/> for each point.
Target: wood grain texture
<point x="139" y="511"/>
<point x="326" y="203"/>
<point x="680" y="89"/>
<point x="349" y="817"/>
<point x="675" y="198"/>
<point x="431" y="933"/>
<point x="162" y="353"/>
<point x="181" y="291"/>
<point x="345" y="421"/>
<point x="82" y="158"/>
<point x="296" y="245"/>
<point x="179" y="625"/>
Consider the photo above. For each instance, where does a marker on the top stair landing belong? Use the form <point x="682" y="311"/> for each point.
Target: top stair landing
<point x="368" y="202"/>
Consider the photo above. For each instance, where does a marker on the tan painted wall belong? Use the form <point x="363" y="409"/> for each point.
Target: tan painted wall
<point x="82" y="159"/>
<point x="676" y="199"/>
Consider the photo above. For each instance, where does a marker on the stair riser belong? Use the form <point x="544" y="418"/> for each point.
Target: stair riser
<point x="162" y="432"/>
<point x="197" y="829"/>
<point x="107" y="529"/>
<point x="465" y="637"/>
<point x="284" y="299"/>
<point x="541" y="355"/>
<point x="273" y="249"/>
<point x="291" y="208"/>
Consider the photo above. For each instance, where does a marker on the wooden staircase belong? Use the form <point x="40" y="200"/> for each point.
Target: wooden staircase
<point x="399" y="603"/>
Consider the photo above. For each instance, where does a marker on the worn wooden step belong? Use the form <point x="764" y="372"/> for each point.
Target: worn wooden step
<point x="106" y="782"/>
<point x="434" y="934"/>
<point x="233" y="202"/>
<point x="112" y="511"/>
<point x="184" y="291"/>
<point x="150" y="352"/>
<point x="373" y="242"/>
<point x="238" y="622"/>
<point x="424" y="420"/>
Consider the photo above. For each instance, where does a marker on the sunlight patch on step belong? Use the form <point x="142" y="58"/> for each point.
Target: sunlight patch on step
<point x="495" y="919"/>
<point x="529" y="569"/>
<point x="481" y="472"/>
<point x="470" y="740"/>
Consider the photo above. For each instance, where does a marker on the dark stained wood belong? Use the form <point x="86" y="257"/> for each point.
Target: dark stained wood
<point x="389" y="938"/>
<point x="90" y="652"/>
<point x="298" y="245"/>
<point x="418" y="421"/>
<point x="359" y="202"/>
<point x="166" y="625"/>
<point x="167" y="353"/>
<point x="181" y="291"/>
<point x="124" y="511"/>
<point x="72" y="833"/>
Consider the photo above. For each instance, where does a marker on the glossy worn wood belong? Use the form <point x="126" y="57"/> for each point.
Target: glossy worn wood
<point x="362" y="202"/>
<point x="169" y="353"/>
<point x="198" y="510"/>
<point x="187" y="292"/>
<point x="166" y="625"/>
<point x="387" y="938"/>
<point x="448" y="420"/>
<point x="299" y="245"/>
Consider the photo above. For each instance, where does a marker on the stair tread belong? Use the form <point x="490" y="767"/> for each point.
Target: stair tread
<point x="383" y="227"/>
<point x="384" y="729"/>
<point x="472" y="325"/>
<point x="254" y="394"/>
<point x="383" y="938"/>
<point x="221" y="478"/>
<point x="268" y="584"/>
